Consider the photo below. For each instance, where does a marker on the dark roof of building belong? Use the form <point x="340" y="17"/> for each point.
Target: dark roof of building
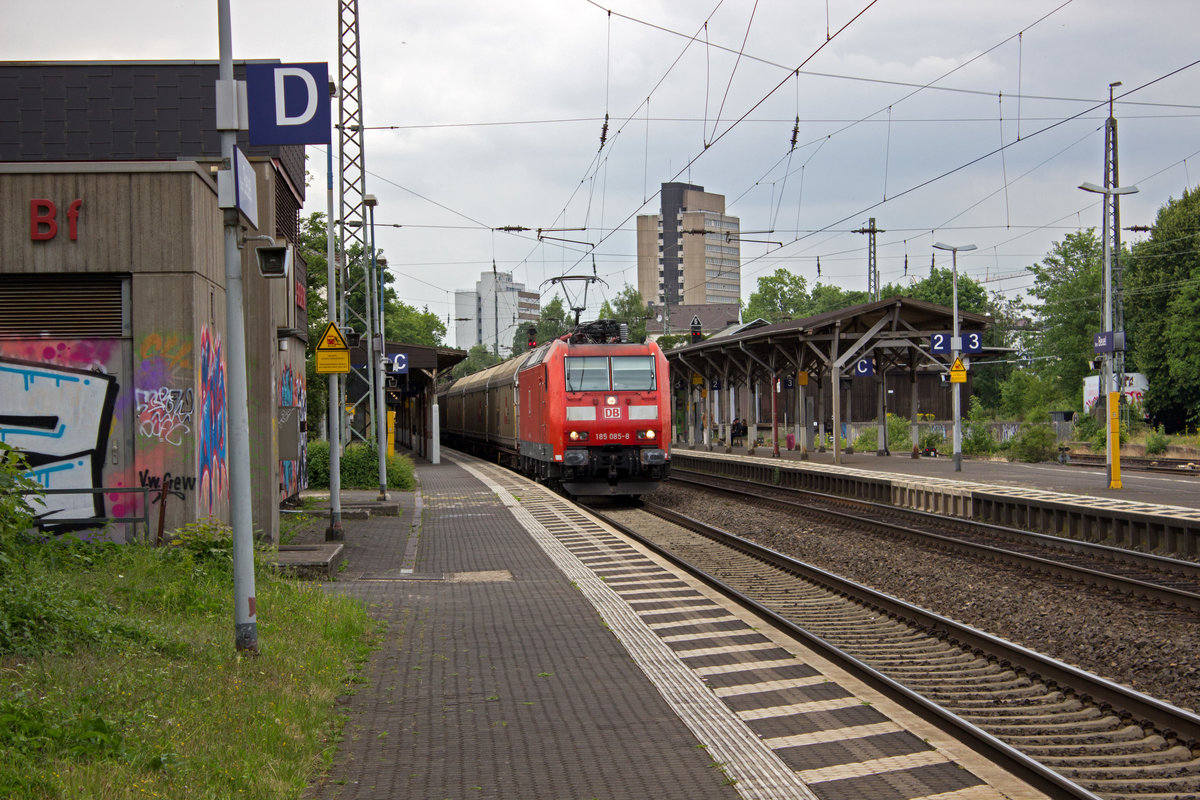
<point x="120" y="111"/>
<point x="713" y="317"/>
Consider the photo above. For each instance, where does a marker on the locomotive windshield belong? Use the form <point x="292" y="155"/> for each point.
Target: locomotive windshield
<point x="633" y="373"/>
<point x="602" y="374"/>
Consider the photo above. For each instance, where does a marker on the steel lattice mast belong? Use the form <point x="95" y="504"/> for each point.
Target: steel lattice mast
<point x="1118" y="295"/>
<point x="352" y="168"/>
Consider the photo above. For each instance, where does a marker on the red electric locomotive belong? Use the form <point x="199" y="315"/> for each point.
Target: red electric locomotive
<point x="589" y="412"/>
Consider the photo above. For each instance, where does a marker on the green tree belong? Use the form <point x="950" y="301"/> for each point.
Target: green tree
<point x="628" y="307"/>
<point x="406" y="324"/>
<point x="403" y="322"/>
<point x="552" y="320"/>
<point x="1162" y="312"/>
<point x="1067" y="313"/>
<point x="780" y="297"/>
<point x="827" y="297"/>
<point x="938" y="287"/>
<point x="478" y="357"/>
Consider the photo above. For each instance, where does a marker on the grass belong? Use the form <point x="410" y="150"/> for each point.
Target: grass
<point x="119" y="678"/>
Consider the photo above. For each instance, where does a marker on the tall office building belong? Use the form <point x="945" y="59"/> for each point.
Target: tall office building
<point x="689" y="253"/>
<point x="491" y="313"/>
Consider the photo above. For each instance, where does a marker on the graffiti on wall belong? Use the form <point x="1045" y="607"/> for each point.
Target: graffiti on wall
<point x="61" y="418"/>
<point x="212" y="423"/>
<point x="165" y="414"/>
<point x="173" y="352"/>
<point x="293" y="473"/>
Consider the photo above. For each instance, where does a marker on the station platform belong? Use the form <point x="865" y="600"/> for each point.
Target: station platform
<point x="531" y="653"/>
<point x="1182" y="489"/>
<point x="1152" y="512"/>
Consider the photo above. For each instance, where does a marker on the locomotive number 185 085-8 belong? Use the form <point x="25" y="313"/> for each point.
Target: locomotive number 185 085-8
<point x="612" y="437"/>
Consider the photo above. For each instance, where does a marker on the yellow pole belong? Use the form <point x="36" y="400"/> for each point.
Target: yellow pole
<point x="1114" y="426"/>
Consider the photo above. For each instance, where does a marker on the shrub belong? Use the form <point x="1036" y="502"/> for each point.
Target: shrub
<point x="1086" y="426"/>
<point x="977" y="433"/>
<point x="359" y="467"/>
<point x="1099" y="440"/>
<point x="318" y="463"/>
<point x="1156" y="442"/>
<point x="1034" y="443"/>
<point x="898" y="438"/>
<point x="933" y="440"/>
<point x="16" y="513"/>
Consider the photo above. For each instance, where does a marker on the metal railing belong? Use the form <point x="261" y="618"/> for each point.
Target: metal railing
<point x="51" y="519"/>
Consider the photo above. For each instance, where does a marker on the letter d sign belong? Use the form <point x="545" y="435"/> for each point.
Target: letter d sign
<point x="289" y="103"/>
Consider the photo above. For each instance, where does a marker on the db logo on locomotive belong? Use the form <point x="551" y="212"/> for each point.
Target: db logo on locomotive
<point x="612" y="413"/>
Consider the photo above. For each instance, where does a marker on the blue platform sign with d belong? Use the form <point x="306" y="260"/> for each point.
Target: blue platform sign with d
<point x="288" y="103"/>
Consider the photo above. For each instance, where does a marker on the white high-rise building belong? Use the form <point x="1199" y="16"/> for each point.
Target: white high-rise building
<point x="491" y="313"/>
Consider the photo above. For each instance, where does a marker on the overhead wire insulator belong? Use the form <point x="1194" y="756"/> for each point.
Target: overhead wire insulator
<point x="795" y="132"/>
<point x="818" y="266"/>
<point x="604" y="132"/>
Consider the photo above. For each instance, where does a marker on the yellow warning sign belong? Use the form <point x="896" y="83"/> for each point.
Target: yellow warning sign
<point x="802" y="377"/>
<point x="331" y="338"/>
<point x="958" y="373"/>
<point x="333" y="354"/>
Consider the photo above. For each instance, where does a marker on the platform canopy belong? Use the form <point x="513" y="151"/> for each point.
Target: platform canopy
<point x="896" y="333"/>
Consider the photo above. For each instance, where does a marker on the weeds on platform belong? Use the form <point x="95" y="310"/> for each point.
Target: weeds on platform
<point x="119" y="676"/>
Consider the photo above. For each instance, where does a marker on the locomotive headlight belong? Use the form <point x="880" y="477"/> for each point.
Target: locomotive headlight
<point x="647" y="434"/>
<point x="578" y="436"/>
<point x="611" y="400"/>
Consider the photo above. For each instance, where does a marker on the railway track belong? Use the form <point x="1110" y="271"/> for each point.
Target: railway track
<point x="1110" y="740"/>
<point x="1171" y="466"/>
<point x="1169" y="581"/>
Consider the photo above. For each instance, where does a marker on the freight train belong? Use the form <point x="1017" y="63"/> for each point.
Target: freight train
<point x="588" y="412"/>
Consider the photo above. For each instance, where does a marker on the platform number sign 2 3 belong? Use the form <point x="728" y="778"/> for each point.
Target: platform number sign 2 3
<point x="943" y="343"/>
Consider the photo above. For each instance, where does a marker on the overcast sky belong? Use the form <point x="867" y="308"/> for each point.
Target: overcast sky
<point x="966" y="122"/>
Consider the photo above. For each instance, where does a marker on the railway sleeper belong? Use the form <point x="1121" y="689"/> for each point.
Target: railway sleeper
<point x="1091" y="759"/>
<point x="1013" y="700"/>
<point x="1035" y="717"/>
<point x="1027" y="740"/>
<point x="1064" y="729"/>
<point x="1105" y="773"/>
<point x="1065" y="706"/>
<point x="921" y="662"/>
<point x="1175" y="788"/>
<point x="1147" y="744"/>
<point x="993" y="684"/>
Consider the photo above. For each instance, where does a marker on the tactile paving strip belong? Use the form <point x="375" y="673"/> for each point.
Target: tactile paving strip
<point x="782" y="729"/>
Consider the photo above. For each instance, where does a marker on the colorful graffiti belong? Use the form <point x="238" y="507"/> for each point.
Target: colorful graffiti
<point x="174" y="352"/>
<point x="165" y="414"/>
<point x="60" y="417"/>
<point x="212" y="426"/>
<point x="293" y="473"/>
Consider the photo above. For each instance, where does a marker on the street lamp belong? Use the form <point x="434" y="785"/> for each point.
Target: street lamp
<point x="375" y="358"/>
<point x="1111" y="394"/>
<point x="956" y="348"/>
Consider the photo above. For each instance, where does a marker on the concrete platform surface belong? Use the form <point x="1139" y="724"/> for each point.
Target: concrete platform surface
<point x="531" y="653"/>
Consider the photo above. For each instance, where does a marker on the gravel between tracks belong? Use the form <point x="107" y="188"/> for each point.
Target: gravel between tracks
<point x="1155" y="651"/>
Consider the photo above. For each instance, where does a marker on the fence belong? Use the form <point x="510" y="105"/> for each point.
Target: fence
<point x="49" y="522"/>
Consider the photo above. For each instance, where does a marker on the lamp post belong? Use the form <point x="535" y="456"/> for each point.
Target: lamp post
<point x="1111" y="394"/>
<point x="375" y="356"/>
<point x="956" y="348"/>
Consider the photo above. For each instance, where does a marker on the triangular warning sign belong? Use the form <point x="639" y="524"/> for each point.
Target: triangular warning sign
<point x="696" y="321"/>
<point x="958" y="366"/>
<point x="331" y="339"/>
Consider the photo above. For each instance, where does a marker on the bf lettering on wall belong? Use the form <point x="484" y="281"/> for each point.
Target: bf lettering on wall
<point x="43" y="219"/>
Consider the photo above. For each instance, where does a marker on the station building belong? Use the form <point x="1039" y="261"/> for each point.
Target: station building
<point x="113" y="343"/>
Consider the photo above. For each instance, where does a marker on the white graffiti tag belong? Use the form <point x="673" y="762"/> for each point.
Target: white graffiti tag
<point x="165" y="414"/>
